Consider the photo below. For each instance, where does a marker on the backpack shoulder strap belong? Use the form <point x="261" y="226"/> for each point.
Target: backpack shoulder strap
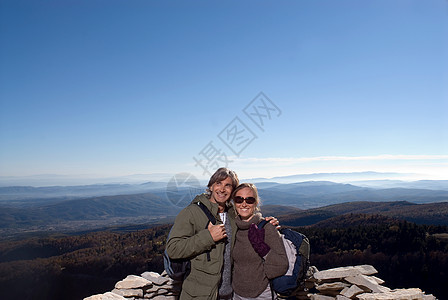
<point x="207" y="212"/>
<point x="262" y="223"/>
<point x="211" y="219"/>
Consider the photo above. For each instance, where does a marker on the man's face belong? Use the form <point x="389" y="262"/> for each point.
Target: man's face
<point x="221" y="191"/>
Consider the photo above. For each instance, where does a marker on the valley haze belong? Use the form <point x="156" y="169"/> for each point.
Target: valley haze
<point x="301" y="199"/>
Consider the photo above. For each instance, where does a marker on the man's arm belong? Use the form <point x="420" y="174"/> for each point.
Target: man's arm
<point x="183" y="241"/>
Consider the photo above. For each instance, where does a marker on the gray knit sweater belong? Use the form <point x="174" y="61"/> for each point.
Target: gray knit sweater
<point x="251" y="273"/>
<point x="225" y="289"/>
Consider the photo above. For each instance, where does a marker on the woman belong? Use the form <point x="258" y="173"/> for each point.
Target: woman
<point x="259" y="254"/>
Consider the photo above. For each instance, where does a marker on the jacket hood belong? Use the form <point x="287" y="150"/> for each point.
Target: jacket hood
<point x="204" y="198"/>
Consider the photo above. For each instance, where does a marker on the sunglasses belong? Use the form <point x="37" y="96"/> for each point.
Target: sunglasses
<point x="249" y="200"/>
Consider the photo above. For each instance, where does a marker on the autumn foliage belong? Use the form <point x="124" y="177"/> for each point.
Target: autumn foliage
<point x="72" y="267"/>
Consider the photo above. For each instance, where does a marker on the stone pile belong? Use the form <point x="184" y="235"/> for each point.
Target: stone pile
<point x="343" y="283"/>
<point x="149" y="285"/>
<point x="358" y="282"/>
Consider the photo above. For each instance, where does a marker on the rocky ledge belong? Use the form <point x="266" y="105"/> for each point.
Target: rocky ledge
<point x="355" y="282"/>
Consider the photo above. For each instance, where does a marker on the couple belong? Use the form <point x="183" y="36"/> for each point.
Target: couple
<point x="232" y="259"/>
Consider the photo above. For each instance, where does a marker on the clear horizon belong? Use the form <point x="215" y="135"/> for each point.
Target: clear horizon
<point x="52" y="180"/>
<point x="268" y="89"/>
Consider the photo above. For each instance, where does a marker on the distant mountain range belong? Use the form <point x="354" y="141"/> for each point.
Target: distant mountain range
<point x="321" y="193"/>
<point x="420" y="184"/>
<point x="71" y="180"/>
<point x="28" y="195"/>
<point x="45" y="180"/>
<point x="336" y="177"/>
<point x="31" y="209"/>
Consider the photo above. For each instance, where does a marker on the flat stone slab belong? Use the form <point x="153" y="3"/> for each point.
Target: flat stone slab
<point x="342" y="272"/>
<point x="398" y="294"/>
<point x="106" y="296"/>
<point x="345" y="283"/>
<point x="155" y="278"/>
<point x="379" y="280"/>
<point x="152" y="289"/>
<point x="149" y="295"/>
<point x="320" y="297"/>
<point x="334" y="286"/>
<point x="366" y="281"/>
<point x="164" y="298"/>
<point x="133" y="282"/>
<point x="352" y="291"/>
<point x="128" y="292"/>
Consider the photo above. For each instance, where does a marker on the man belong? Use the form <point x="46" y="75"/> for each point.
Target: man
<point x="208" y="247"/>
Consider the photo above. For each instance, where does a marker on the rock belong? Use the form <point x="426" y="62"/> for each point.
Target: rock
<point x="331" y="288"/>
<point x="106" y="296"/>
<point x="152" y="289"/>
<point x="162" y="292"/>
<point x="133" y="282"/>
<point x="171" y="286"/>
<point x="155" y="278"/>
<point x="345" y="283"/>
<point x="164" y="298"/>
<point x="401" y="294"/>
<point x="128" y="292"/>
<point x="311" y="271"/>
<point x="378" y="280"/>
<point x="164" y="274"/>
<point x="342" y="272"/>
<point x="320" y="297"/>
<point x="309" y="284"/>
<point x="150" y="295"/>
<point x="365" y="281"/>
<point x="351" y="291"/>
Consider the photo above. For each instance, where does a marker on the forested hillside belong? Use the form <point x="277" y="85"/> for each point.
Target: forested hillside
<point x="55" y="267"/>
<point x="405" y="254"/>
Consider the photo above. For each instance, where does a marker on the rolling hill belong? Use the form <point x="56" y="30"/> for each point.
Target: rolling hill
<point x="29" y="194"/>
<point x="314" y="194"/>
<point x="87" y="213"/>
<point x="432" y="213"/>
<point x="298" y="204"/>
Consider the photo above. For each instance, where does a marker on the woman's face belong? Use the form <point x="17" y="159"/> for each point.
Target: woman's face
<point x="244" y="209"/>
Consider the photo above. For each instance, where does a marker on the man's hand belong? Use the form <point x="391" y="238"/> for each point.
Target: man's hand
<point x="274" y="221"/>
<point x="218" y="232"/>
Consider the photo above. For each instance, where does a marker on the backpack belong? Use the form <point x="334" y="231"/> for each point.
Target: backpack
<point x="178" y="269"/>
<point x="297" y="248"/>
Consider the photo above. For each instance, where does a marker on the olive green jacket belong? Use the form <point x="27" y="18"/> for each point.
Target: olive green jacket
<point x="189" y="238"/>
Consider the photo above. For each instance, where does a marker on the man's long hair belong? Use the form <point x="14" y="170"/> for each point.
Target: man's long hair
<point x="220" y="175"/>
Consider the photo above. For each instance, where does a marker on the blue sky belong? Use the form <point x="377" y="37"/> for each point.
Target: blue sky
<point x="113" y="88"/>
